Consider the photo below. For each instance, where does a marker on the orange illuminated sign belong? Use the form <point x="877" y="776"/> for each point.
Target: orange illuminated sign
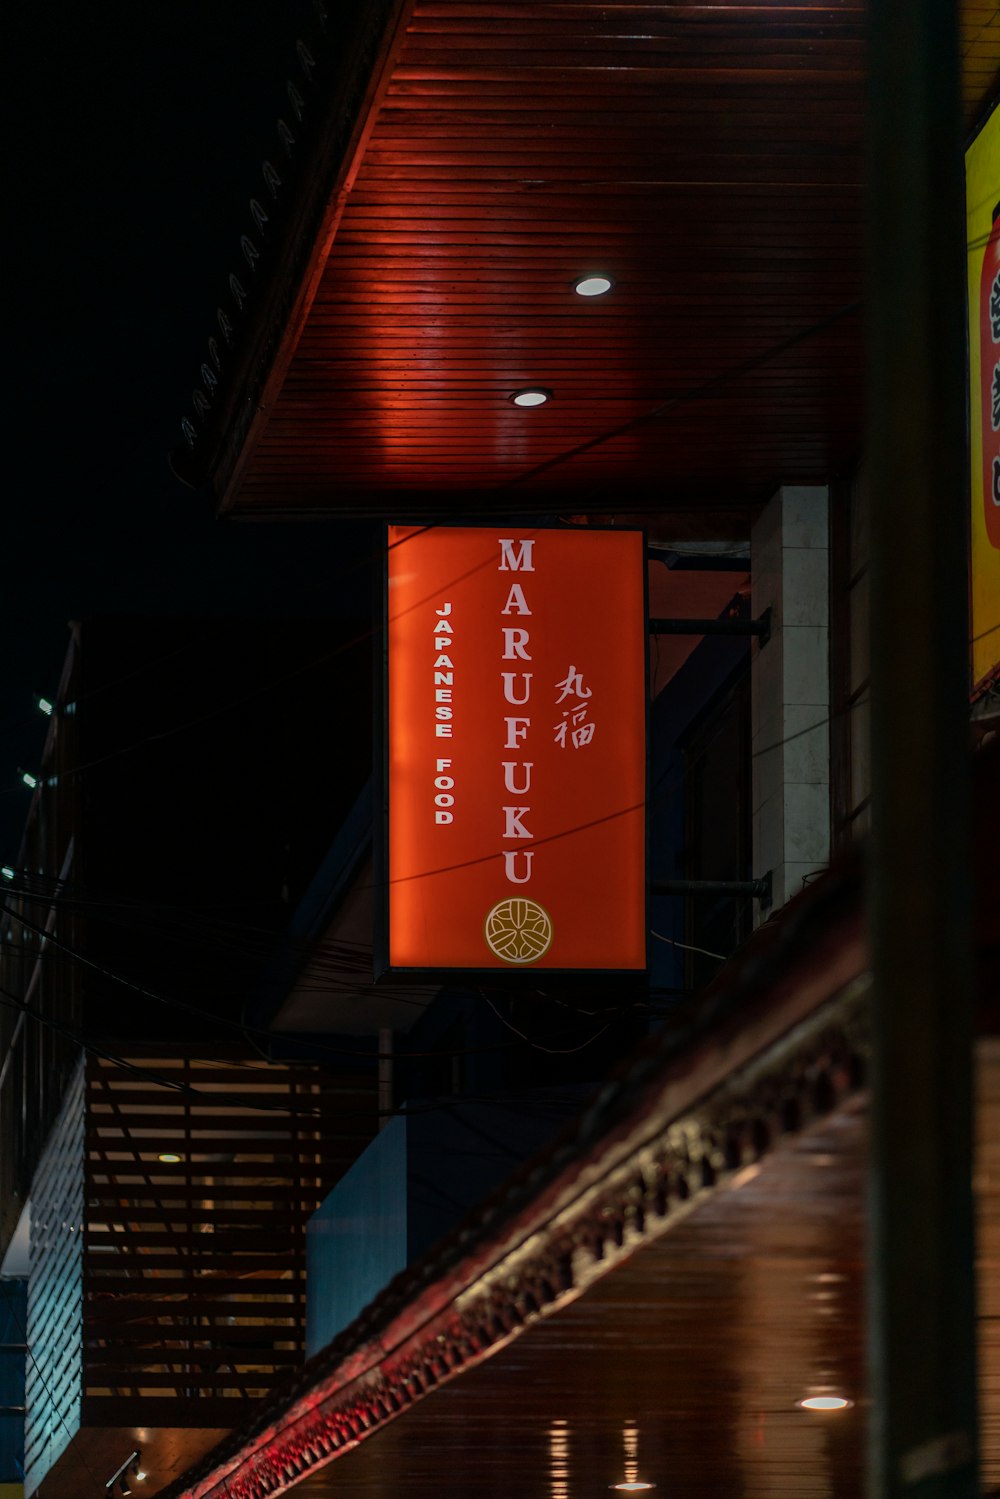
<point x="516" y="749"/>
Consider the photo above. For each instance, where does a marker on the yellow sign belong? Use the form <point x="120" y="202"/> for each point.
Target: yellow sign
<point x="982" y="206"/>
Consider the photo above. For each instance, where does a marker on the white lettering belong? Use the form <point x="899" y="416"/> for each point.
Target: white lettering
<point x="443" y="713"/>
<point x="512" y="561"/>
<point x="508" y="686"/>
<point x="445" y="609"/>
<point x="517" y="729"/>
<point x="445" y="661"/>
<point x="444" y="817"/>
<point x="443" y="627"/>
<point x="514" y="642"/>
<point x="509" y="766"/>
<point x="442" y="694"/>
<point x="442" y="643"/>
<point x="513" y="826"/>
<point x="444" y="783"/>
<point x="444" y="799"/>
<point x="510" y="865"/>
<point x="443" y="678"/>
<point x="516" y="601"/>
<point x="443" y="730"/>
<point x="443" y="765"/>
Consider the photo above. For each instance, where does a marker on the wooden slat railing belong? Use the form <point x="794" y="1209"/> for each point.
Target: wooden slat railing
<point x="194" y="1269"/>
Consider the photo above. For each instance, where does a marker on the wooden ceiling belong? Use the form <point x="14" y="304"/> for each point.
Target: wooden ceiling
<point x="688" y="1256"/>
<point x="705" y="1340"/>
<point x="707" y="157"/>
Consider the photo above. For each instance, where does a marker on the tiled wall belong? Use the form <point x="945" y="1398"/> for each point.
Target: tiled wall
<point x="790" y="689"/>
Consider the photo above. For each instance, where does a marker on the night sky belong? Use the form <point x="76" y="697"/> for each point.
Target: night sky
<point x="134" y="140"/>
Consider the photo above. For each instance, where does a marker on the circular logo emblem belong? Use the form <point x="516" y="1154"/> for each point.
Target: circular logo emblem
<point x="518" y="931"/>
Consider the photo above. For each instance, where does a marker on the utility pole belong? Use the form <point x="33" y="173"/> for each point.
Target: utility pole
<point x="922" y="1275"/>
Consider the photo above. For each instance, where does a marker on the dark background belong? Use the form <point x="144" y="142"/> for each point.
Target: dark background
<point x="134" y="137"/>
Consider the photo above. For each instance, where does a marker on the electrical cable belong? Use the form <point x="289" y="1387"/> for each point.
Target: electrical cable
<point x="668" y="792"/>
<point x="566" y="832"/>
<point x="241" y="1027"/>
<point x="501" y="1100"/>
<point x="555" y="1051"/>
<point x="689" y="947"/>
<point x="345" y="646"/>
<point x="694" y="393"/>
<point x="148" y="1075"/>
<point x="357" y="640"/>
<point x="245" y="1030"/>
<point x="368" y="634"/>
<point x="339" y="650"/>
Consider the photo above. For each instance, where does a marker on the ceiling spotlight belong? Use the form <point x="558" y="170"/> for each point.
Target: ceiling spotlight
<point x="592" y="286"/>
<point x="532" y="395"/>
<point x="634" y="1486"/>
<point x="169" y="1158"/>
<point x="28" y="779"/>
<point x="44" y="706"/>
<point x="824" y="1403"/>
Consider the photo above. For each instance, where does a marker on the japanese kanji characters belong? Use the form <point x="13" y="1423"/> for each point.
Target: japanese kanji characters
<point x="575" y="727"/>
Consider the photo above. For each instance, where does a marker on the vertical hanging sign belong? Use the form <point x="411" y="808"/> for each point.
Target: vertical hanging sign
<point x="982" y="197"/>
<point x="516" y="749"/>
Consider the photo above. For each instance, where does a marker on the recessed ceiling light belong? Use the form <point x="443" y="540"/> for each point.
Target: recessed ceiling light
<point x="824" y="1403"/>
<point x="169" y="1158"/>
<point x="532" y="395"/>
<point x="592" y="286"/>
<point x="632" y="1487"/>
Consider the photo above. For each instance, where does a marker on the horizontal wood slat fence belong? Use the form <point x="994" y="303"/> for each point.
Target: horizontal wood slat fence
<point x="194" y="1267"/>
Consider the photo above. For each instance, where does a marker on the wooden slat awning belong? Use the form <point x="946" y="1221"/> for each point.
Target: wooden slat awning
<point x="688" y="1258"/>
<point x="468" y="162"/>
<point x="694" y="1118"/>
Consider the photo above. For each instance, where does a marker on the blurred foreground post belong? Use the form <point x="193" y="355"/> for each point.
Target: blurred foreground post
<point x="922" y="1301"/>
